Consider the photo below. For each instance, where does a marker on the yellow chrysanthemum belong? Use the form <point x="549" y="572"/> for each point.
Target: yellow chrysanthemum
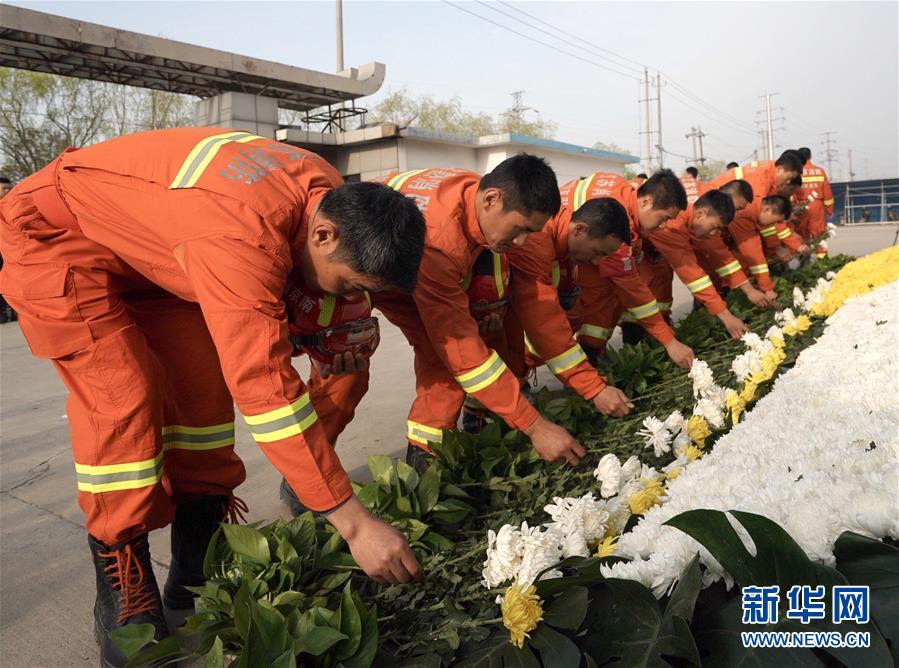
<point x="673" y="473"/>
<point x="736" y="404"/>
<point x="747" y="394"/>
<point x="698" y="429"/>
<point x="522" y="611"/>
<point x="791" y="329"/>
<point x="777" y="341"/>
<point x="607" y="547"/>
<point x="858" y="277"/>
<point x="647" y="497"/>
<point x="803" y="322"/>
<point x="691" y="452"/>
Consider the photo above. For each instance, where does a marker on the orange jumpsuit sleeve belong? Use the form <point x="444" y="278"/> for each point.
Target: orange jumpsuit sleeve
<point x="718" y="257"/>
<point x="536" y="304"/>
<point x="633" y="293"/>
<point x="444" y="311"/>
<point x="749" y="248"/>
<point x="827" y="197"/>
<point x="779" y="234"/>
<point x="239" y="287"/>
<point x="675" y="247"/>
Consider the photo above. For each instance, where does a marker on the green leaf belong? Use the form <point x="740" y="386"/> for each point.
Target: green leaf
<point x="286" y="660"/>
<point x="131" y="638"/>
<point x="301" y="530"/>
<point x="381" y="468"/>
<point x="407" y="476"/>
<point x="428" y="490"/>
<point x="243" y="615"/>
<point x="368" y="646"/>
<point x="556" y="649"/>
<point x="248" y="542"/>
<point x="449" y="511"/>
<point x="286" y="553"/>
<point x="317" y="640"/>
<point x="337" y="561"/>
<point x="163" y="652"/>
<point x="683" y="598"/>
<point x="334" y="543"/>
<point x="350" y="626"/>
<point x="215" y="657"/>
<point x="268" y="634"/>
<point x="567" y="610"/>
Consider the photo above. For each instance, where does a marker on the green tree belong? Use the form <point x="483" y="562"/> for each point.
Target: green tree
<point x="611" y="146"/>
<point x="514" y="123"/>
<point x="711" y="169"/>
<point x="400" y="108"/>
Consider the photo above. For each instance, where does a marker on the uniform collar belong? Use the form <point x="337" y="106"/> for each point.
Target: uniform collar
<point x="470" y="225"/>
<point x="560" y="226"/>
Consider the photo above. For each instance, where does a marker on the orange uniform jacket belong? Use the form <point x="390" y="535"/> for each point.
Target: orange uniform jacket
<point x="453" y="240"/>
<point x="694" y="188"/>
<point x="615" y="281"/>
<point x="816" y="185"/>
<point x="537" y="306"/>
<point x="674" y="243"/>
<point x="219" y="217"/>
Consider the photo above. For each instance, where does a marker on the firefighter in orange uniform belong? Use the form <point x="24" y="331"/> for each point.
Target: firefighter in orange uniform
<point x="465" y="214"/>
<point x="544" y="287"/>
<point x="150" y="269"/>
<point x="816" y="192"/>
<point x="692" y="185"/>
<point x="613" y="285"/>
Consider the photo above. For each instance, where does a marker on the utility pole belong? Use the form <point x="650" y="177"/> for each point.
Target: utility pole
<point x="851" y="173"/>
<point x="698" y="156"/>
<point x="340" y="35"/>
<point x="659" y="114"/>
<point x="647" y="123"/>
<point x="770" y="137"/>
<point x="829" y="152"/>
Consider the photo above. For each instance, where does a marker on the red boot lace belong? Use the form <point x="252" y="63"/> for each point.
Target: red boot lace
<point x="236" y="510"/>
<point x="131" y="582"/>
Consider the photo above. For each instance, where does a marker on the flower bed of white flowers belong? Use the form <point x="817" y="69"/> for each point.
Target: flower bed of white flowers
<point x="819" y="454"/>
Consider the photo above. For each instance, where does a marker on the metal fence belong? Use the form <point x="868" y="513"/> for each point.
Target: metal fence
<point x="865" y="202"/>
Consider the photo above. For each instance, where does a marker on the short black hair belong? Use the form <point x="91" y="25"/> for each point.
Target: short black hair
<point x="795" y="181"/>
<point x="382" y="232"/>
<point x="665" y="189"/>
<point x="805" y="152"/>
<point x="779" y="204"/>
<point x="528" y="185"/>
<point x="642" y="175"/>
<point x="738" y="187"/>
<point x="719" y="203"/>
<point x="731" y="165"/>
<point x="692" y="171"/>
<point x="604" y="216"/>
<point x="790" y="160"/>
<point x="5" y="180"/>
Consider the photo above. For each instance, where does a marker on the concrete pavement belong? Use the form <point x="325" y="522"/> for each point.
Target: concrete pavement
<point x="46" y="576"/>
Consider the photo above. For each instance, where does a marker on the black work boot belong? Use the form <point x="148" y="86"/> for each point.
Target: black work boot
<point x="473" y="420"/>
<point x="631" y="333"/>
<point x="418" y="458"/>
<point x="290" y="499"/>
<point x="126" y="594"/>
<point x="195" y="522"/>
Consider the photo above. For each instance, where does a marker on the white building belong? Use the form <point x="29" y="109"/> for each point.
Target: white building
<point x="366" y="153"/>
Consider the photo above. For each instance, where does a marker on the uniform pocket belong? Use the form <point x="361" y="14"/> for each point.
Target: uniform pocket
<point x="43" y="296"/>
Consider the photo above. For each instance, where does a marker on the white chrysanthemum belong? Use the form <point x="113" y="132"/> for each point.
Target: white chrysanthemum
<point x="711" y="410"/>
<point x="785" y="317"/>
<point x="745" y="365"/>
<point x="608" y="473"/>
<point x="798" y="298"/>
<point x="503" y="556"/>
<point x="680" y="444"/>
<point x="655" y="436"/>
<point x="702" y="376"/>
<point x="830" y="275"/>
<point x="630" y="470"/>
<point x="774" y="332"/>
<point x="540" y="550"/>
<point x="674" y="422"/>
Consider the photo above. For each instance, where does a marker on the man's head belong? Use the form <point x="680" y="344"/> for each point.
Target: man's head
<point x="806" y="154"/>
<point x="712" y="213"/>
<point x="642" y="176"/>
<point x="788" y="165"/>
<point x="787" y="189"/>
<point x="775" y="209"/>
<point x="364" y="236"/>
<point x="5" y="186"/>
<point x="597" y="229"/>
<point x="660" y="199"/>
<point x="740" y="193"/>
<point x="692" y="171"/>
<point x="515" y="199"/>
<point x="731" y="165"/>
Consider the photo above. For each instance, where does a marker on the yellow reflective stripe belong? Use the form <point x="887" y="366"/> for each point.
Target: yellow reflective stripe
<point x="530" y="346"/>
<point x="644" y="311"/>
<point x="738" y="173"/>
<point x="482" y="376"/>
<point x="758" y="269"/>
<point x="498" y="274"/>
<point x="328" y="304"/>
<point x="594" y="332"/>
<point x="754" y="163"/>
<point x="422" y="433"/>
<point x="114" y="477"/>
<point x="282" y="422"/>
<point x="367" y="298"/>
<point x="203" y="153"/>
<point x="768" y="231"/>
<point x="821" y="253"/>
<point x="567" y="360"/>
<point x="180" y="437"/>
<point x="783" y="234"/>
<point x="398" y="181"/>
<point x="580" y="193"/>
<point x="828" y="202"/>
<point x="664" y="306"/>
<point x="557" y="274"/>
<point x="813" y="179"/>
<point x="626" y="317"/>
<point x="700" y="283"/>
<point x="728" y="269"/>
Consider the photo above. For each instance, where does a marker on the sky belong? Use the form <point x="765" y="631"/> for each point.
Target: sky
<point x="833" y="66"/>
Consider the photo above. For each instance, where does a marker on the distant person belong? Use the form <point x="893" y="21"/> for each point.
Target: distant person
<point x="5" y="186"/>
<point x="891" y="214"/>
<point x="816" y="199"/>
<point x="692" y="185"/>
<point x="7" y="314"/>
<point x="866" y="215"/>
<point x="638" y="180"/>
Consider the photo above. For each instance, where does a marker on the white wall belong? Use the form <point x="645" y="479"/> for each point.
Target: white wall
<point x="416" y="154"/>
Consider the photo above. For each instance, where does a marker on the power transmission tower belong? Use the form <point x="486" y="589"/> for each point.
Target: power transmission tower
<point x="696" y="134"/>
<point x="829" y="152"/>
<point x="516" y="113"/>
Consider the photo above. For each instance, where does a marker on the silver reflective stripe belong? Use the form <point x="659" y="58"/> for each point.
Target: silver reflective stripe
<point x="287" y="421"/>
<point x="104" y="478"/>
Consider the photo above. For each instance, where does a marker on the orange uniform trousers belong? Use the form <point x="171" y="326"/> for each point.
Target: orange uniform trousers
<point x="151" y="419"/>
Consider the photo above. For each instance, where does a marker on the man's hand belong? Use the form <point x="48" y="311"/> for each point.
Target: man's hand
<point x="612" y="401"/>
<point x="803" y="249"/>
<point x="378" y="548"/>
<point x="680" y="354"/>
<point x="757" y="297"/>
<point x="771" y="295"/>
<point x="553" y="443"/>
<point x="783" y="254"/>
<point x="734" y="326"/>
<point x="343" y="363"/>
<point x="490" y="324"/>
